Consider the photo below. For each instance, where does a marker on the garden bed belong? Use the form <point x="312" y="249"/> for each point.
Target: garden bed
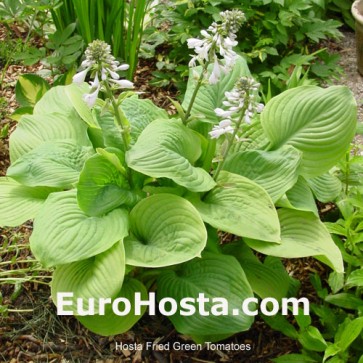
<point x="32" y="331"/>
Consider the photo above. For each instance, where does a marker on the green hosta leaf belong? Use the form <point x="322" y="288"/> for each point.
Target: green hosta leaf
<point x="210" y="97"/>
<point x="167" y="149"/>
<point x="74" y="93"/>
<point x="52" y="164"/>
<point x="29" y="89"/>
<point x="103" y="184"/>
<point x="299" y="197"/>
<point x="276" y="171"/>
<point x="267" y="279"/>
<point x="319" y="122"/>
<point x="140" y="113"/>
<point x="326" y="187"/>
<point x="33" y="130"/>
<point x="255" y="138"/>
<point x="110" y="133"/>
<point x="112" y="324"/>
<point x="165" y="230"/>
<point x="302" y="235"/>
<point x="19" y="203"/>
<point x="240" y="206"/>
<point x="97" y="277"/>
<point x="64" y="234"/>
<point x="68" y="101"/>
<point x="214" y="275"/>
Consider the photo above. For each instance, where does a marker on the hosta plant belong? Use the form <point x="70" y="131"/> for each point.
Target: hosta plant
<point x="127" y="199"/>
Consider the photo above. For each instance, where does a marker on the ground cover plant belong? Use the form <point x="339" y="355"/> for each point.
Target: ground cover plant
<point x="126" y="199"/>
<point x="277" y="36"/>
<point x="335" y="334"/>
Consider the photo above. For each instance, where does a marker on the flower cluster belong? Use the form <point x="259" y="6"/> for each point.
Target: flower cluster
<point x="103" y="67"/>
<point x="218" y="38"/>
<point x="241" y="102"/>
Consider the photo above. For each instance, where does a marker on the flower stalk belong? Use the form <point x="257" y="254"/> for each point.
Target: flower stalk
<point x="103" y="68"/>
<point x="215" y="48"/>
<point x="242" y="104"/>
<point x="230" y="141"/>
<point x="194" y="95"/>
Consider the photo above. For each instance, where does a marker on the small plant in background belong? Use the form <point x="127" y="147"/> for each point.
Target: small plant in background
<point x="133" y="199"/>
<point x="335" y="333"/>
<point x="277" y="35"/>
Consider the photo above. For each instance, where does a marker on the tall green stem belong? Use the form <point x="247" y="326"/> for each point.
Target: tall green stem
<point x="125" y="128"/>
<point x="194" y="95"/>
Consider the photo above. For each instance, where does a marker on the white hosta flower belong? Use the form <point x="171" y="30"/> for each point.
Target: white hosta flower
<point x="224" y="127"/>
<point x="123" y="67"/>
<point x="218" y="39"/>
<point x="223" y="113"/>
<point x="80" y="77"/>
<point x="103" y="67"/>
<point x="245" y="90"/>
<point x="91" y="98"/>
<point x="123" y="83"/>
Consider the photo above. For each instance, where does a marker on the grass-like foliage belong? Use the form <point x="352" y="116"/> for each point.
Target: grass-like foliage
<point x="119" y="23"/>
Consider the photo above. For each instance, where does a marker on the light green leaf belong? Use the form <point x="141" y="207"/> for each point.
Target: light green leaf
<point x="299" y="197"/>
<point x="240" y="206"/>
<point x="112" y="324"/>
<point x="345" y="300"/>
<point x="280" y="323"/>
<point x="165" y="229"/>
<point x="75" y="93"/>
<point x="331" y="351"/>
<point x="19" y="203"/>
<point x="110" y="133"/>
<point x="29" y="89"/>
<point x="268" y="279"/>
<point x="349" y="332"/>
<point x="302" y="235"/>
<point x="32" y="130"/>
<point x="102" y="185"/>
<point x="97" y="277"/>
<point x="214" y="275"/>
<point x="68" y="101"/>
<point x="167" y="149"/>
<point x="311" y="339"/>
<point x="276" y="171"/>
<point x="318" y="122"/>
<point x="355" y="278"/>
<point x="326" y="187"/>
<point x="64" y="234"/>
<point x="255" y="138"/>
<point x="52" y="164"/>
<point x="294" y="358"/>
<point x="336" y="281"/>
<point x="140" y="113"/>
<point x="210" y="97"/>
